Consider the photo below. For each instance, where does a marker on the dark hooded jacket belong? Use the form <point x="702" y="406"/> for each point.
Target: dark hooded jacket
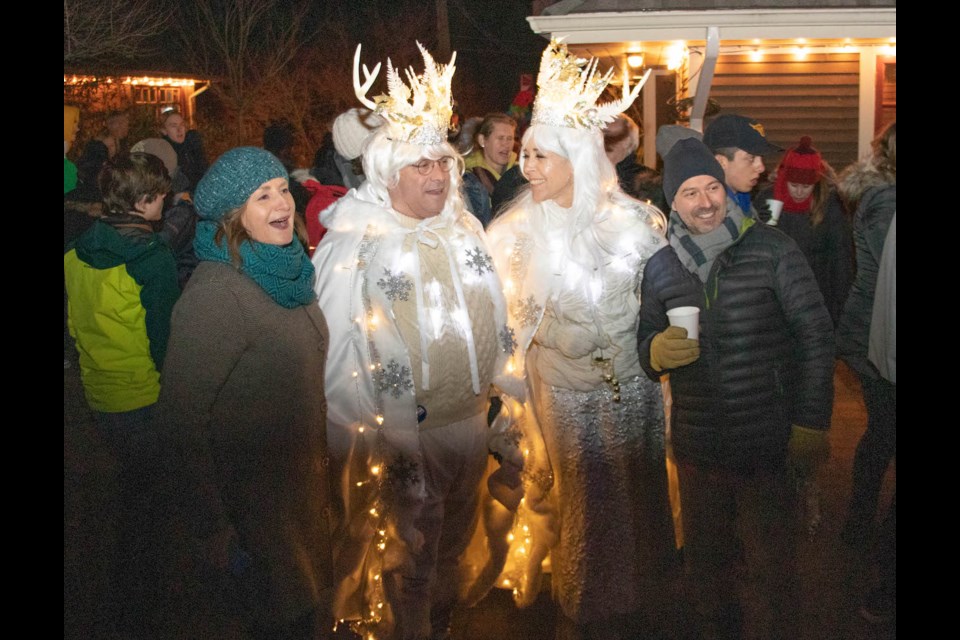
<point x="872" y="194"/>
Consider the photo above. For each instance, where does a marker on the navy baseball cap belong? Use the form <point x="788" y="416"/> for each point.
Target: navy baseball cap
<point x="731" y="130"/>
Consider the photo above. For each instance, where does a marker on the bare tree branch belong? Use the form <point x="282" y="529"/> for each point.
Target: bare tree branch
<point x="97" y="30"/>
<point x="245" y="44"/>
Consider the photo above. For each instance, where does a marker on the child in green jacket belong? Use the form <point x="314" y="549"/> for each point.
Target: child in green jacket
<point x="121" y="281"/>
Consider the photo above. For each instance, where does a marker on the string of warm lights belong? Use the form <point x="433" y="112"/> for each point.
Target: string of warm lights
<point x="678" y="52"/>
<point x="130" y="80"/>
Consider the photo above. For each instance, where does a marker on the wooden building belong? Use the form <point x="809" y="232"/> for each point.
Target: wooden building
<point x="145" y="92"/>
<point x="826" y="70"/>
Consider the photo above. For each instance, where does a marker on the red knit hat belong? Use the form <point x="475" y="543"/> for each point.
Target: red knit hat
<point x="802" y="164"/>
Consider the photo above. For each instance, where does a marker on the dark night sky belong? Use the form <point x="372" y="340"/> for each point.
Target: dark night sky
<point x="494" y="46"/>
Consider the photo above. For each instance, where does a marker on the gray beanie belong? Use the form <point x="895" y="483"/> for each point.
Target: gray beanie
<point x="160" y="148"/>
<point x="688" y="158"/>
<point x="670" y="134"/>
<point x="232" y="178"/>
<point x="351" y="129"/>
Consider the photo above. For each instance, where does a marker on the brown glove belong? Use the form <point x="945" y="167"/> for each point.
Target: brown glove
<point x="671" y="349"/>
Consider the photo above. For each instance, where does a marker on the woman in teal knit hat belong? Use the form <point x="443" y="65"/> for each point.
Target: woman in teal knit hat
<point x="243" y="401"/>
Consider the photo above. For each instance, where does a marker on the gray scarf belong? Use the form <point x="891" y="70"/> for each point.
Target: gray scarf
<point x="698" y="251"/>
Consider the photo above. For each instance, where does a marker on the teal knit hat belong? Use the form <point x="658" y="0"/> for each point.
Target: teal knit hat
<point x="232" y="178"/>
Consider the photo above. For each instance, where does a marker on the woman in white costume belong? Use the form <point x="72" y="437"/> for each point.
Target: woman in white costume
<point x="571" y="252"/>
<point x="417" y="324"/>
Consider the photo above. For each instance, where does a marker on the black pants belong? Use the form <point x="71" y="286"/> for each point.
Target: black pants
<point x="877" y="448"/>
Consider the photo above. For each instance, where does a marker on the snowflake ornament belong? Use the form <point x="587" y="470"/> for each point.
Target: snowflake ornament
<point x="527" y="312"/>
<point x="403" y="471"/>
<point x="479" y="261"/>
<point x="395" y="378"/>
<point x="396" y="286"/>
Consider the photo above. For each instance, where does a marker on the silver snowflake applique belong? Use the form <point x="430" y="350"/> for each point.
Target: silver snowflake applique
<point x="396" y="286"/>
<point x="479" y="261"/>
<point x="527" y="312"/>
<point x="395" y="378"/>
<point x="508" y="340"/>
<point x="403" y="471"/>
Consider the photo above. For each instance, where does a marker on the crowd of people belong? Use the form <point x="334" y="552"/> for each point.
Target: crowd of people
<point x="374" y="390"/>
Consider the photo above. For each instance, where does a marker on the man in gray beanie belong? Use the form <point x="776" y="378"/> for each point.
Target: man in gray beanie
<point x="751" y="398"/>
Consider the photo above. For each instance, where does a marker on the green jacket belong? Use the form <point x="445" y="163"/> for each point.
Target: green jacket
<point x="121" y="290"/>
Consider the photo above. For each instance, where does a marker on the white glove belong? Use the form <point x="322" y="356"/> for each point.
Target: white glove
<point x="569" y="338"/>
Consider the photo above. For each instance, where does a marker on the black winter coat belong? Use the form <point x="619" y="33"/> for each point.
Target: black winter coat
<point x="766" y="351"/>
<point x="877" y="204"/>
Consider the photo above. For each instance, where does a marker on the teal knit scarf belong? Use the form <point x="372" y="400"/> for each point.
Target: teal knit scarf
<point x="285" y="273"/>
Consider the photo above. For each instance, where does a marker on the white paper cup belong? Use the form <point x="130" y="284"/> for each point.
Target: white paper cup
<point x="688" y="318"/>
<point x="776" y="208"/>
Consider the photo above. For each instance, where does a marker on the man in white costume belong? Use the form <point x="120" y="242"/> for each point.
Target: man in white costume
<point x="417" y="333"/>
<point x="571" y="252"/>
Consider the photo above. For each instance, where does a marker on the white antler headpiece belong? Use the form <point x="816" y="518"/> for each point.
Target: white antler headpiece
<point x="568" y="88"/>
<point x="426" y="118"/>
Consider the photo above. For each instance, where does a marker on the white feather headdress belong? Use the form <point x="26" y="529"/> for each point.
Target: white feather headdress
<point x="419" y="113"/>
<point x="568" y="88"/>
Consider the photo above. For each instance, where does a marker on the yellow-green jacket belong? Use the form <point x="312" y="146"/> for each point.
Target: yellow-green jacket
<point x="121" y="288"/>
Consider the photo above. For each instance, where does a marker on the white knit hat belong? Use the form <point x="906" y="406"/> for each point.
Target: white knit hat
<point x="351" y="129"/>
<point x="160" y="148"/>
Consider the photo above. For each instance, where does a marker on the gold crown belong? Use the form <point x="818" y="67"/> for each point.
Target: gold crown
<point x="568" y="88"/>
<point x="425" y="120"/>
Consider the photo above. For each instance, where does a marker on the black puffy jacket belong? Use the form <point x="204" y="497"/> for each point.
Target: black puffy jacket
<point x="766" y="350"/>
<point x="876" y="194"/>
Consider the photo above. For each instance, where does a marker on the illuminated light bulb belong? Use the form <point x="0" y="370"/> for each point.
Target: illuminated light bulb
<point x="510" y="537"/>
<point x="802" y="40"/>
<point x="376" y="577"/>
<point x="373" y="512"/>
<point x="510" y="367"/>
<point x="635" y="61"/>
<point x="360" y="429"/>
<point x="382" y="532"/>
<point x="379" y="605"/>
<point x="375" y="469"/>
<point x="381" y="546"/>
<point x="356" y="374"/>
<point x="522" y="550"/>
<point x="379" y="419"/>
<point x="756" y="56"/>
<point x="526" y="529"/>
<point x="506" y="582"/>
<point x="372" y="367"/>
<point x="526" y="452"/>
<point x="675" y="55"/>
<point x="359" y="484"/>
<point x="801" y="52"/>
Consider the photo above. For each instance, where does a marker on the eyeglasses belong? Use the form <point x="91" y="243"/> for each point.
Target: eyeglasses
<point x="425" y="166"/>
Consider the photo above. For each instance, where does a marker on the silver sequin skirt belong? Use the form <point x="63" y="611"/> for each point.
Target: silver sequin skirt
<point x="616" y="534"/>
